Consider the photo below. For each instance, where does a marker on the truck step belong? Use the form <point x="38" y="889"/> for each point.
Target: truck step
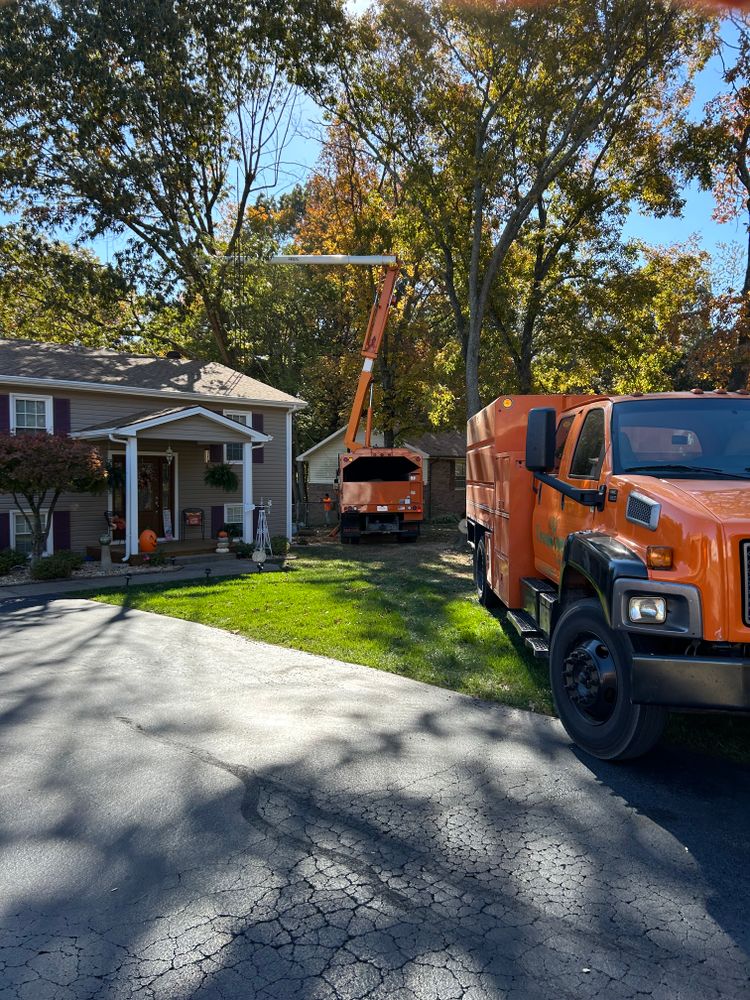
<point x="538" y="646"/>
<point x="523" y="623"/>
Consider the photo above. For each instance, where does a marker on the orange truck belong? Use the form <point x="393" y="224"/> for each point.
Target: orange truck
<point x="380" y="490"/>
<point x="616" y="531"/>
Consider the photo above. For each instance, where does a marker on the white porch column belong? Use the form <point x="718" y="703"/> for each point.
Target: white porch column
<point x="247" y="491"/>
<point x="289" y="527"/>
<point x="131" y="497"/>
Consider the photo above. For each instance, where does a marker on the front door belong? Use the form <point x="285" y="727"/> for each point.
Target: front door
<point x="155" y="492"/>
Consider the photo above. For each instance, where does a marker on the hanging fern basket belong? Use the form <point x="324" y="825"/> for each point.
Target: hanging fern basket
<point x="222" y="477"/>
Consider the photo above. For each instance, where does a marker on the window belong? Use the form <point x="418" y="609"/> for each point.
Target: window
<point x="563" y="429"/>
<point x="31" y="414"/>
<point x="589" y="453"/>
<point x="233" y="519"/>
<point x="233" y="450"/>
<point x="20" y="533"/>
<point x="459" y="475"/>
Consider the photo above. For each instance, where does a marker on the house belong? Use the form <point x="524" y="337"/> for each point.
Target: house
<point x="160" y="422"/>
<point x="444" y="464"/>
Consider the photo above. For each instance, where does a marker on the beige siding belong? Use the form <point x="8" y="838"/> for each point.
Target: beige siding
<point x="87" y="409"/>
<point x="324" y="462"/>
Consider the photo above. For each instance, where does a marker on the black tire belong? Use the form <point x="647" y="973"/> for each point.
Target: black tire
<point x="589" y="665"/>
<point x="485" y="595"/>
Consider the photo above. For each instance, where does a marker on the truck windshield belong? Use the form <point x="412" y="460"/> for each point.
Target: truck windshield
<point x="697" y="438"/>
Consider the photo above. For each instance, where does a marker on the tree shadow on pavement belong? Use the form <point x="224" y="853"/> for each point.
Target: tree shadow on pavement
<point x="173" y="828"/>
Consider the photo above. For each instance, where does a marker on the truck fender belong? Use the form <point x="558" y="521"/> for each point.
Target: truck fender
<point x="592" y="561"/>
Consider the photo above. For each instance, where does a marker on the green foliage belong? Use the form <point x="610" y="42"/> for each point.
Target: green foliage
<point x="222" y="477"/>
<point x="280" y="545"/>
<point x="59" y="566"/>
<point x="156" y="558"/>
<point x="10" y="559"/>
<point x="155" y="121"/>
<point x="53" y="292"/>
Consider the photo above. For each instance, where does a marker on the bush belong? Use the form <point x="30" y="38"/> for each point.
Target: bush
<point x="155" y="558"/>
<point x="280" y="545"/>
<point x="10" y="558"/>
<point x="56" y="567"/>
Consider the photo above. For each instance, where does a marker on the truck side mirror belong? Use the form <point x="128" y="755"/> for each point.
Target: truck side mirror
<point x="540" y="439"/>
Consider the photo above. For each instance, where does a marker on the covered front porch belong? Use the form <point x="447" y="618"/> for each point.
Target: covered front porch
<point x="158" y="461"/>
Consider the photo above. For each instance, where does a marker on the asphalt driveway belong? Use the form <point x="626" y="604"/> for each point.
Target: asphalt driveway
<point x="186" y="814"/>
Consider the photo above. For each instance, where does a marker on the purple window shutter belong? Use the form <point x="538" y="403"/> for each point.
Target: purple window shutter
<point x="255" y="522"/>
<point x="61" y="416"/>
<point x="216" y="452"/>
<point x="4" y="531"/>
<point x="217" y="520"/>
<point x="61" y="530"/>
<point x="4" y="414"/>
<point x="258" y="458"/>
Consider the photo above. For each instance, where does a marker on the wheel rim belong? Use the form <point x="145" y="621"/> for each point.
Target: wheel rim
<point x="590" y="679"/>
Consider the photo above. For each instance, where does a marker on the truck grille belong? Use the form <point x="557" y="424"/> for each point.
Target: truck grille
<point x="745" y="568"/>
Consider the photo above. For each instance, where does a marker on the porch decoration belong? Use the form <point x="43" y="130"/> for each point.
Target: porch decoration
<point x="147" y="541"/>
<point x="263" y="547"/>
<point x="222" y="545"/>
<point x="105" y="557"/>
<point x="222" y="477"/>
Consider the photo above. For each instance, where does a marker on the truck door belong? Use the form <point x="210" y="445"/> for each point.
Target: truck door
<point x="546" y="517"/>
<point x="580" y="464"/>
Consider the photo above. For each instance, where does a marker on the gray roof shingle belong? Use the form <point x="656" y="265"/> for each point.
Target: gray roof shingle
<point x="448" y="444"/>
<point x="63" y="362"/>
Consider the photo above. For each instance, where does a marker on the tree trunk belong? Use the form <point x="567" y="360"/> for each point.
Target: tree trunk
<point x="471" y="360"/>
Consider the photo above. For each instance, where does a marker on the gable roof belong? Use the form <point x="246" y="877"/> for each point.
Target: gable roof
<point x="147" y="419"/>
<point x="449" y="444"/>
<point x="27" y="361"/>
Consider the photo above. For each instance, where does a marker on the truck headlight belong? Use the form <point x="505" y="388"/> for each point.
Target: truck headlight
<point x="648" y="609"/>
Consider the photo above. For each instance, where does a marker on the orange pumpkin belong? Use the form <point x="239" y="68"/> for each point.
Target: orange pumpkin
<point x="147" y="541"/>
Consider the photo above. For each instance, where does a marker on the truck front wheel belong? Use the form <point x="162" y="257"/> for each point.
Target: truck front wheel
<point x="590" y="667"/>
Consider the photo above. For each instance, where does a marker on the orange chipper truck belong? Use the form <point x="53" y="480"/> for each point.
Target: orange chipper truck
<point x="616" y="530"/>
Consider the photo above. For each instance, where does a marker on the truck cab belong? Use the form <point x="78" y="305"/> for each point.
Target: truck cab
<point x="616" y="531"/>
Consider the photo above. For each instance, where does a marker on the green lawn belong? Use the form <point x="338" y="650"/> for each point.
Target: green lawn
<point x="407" y="609"/>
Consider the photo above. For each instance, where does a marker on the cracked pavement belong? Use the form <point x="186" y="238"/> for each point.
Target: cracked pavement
<point x="188" y="814"/>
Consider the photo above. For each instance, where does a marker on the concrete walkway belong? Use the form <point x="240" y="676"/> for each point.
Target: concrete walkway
<point x="187" y="815"/>
<point x="193" y="570"/>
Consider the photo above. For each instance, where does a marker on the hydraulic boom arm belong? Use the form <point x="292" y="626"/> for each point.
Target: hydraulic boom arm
<point x="373" y="335"/>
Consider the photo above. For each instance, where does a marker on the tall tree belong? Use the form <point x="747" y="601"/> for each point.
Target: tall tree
<point x="146" y="118"/>
<point x="717" y="152"/>
<point x="480" y="109"/>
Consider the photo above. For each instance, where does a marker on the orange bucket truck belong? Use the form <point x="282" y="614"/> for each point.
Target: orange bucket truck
<point x="616" y="531"/>
<point x="380" y="490"/>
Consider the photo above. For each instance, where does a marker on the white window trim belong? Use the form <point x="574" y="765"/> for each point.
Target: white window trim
<point x="49" y="548"/>
<point x="48" y="414"/>
<point x="241" y="520"/>
<point x="236" y="413"/>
